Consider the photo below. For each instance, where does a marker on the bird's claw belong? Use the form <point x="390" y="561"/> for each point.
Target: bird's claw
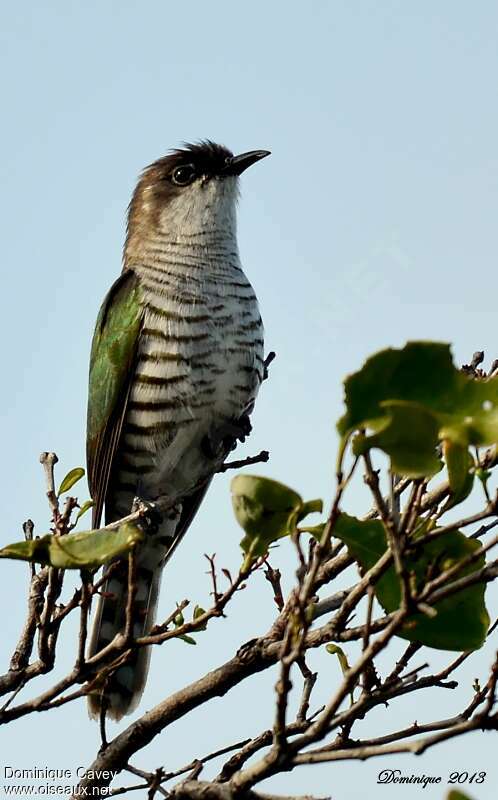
<point x="237" y="431"/>
<point x="150" y="517"/>
<point x="227" y="436"/>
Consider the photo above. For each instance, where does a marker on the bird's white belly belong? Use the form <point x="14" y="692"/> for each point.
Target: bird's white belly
<point x="199" y="369"/>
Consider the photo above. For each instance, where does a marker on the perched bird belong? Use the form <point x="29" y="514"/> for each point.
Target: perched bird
<point x="176" y="363"/>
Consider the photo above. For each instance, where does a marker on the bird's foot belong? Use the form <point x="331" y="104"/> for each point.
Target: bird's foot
<point x="150" y="517"/>
<point x="236" y="431"/>
<point x="226" y="437"/>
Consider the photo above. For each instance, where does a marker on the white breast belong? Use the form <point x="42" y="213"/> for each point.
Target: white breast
<point x="200" y="360"/>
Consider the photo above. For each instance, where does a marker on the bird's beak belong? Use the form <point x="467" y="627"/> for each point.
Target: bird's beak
<point x="237" y="164"/>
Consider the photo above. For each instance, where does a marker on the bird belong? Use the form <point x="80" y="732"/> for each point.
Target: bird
<point x="176" y="363"/>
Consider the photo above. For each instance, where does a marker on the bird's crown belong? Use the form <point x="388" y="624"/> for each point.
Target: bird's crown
<point x="204" y="159"/>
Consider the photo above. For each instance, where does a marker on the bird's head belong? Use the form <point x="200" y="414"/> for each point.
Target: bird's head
<point x="187" y="192"/>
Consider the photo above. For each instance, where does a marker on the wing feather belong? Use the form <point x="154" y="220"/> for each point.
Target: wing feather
<point x="112" y="365"/>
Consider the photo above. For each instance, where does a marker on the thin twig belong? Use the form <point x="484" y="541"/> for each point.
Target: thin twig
<point x="262" y="457"/>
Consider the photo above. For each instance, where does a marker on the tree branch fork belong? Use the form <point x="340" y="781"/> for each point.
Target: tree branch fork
<point x="303" y="622"/>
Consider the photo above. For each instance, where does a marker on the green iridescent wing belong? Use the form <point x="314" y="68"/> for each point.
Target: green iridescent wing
<point x="112" y="360"/>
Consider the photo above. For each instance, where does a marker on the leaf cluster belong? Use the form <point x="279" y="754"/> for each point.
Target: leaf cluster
<point x="424" y="414"/>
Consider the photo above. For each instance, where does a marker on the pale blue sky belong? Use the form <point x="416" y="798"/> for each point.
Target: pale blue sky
<point x="373" y="222"/>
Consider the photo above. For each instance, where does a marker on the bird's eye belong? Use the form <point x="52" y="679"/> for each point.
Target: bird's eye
<point x="184" y="175"/>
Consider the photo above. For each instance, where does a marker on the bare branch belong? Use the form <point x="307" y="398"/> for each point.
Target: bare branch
<point x="262" y="457"/>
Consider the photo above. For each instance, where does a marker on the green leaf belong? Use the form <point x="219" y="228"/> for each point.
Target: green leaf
<point x="310" y="507"/>
<point x="266" y="510"/>
<point x="178" y="622"/>
<point x="76" y="550"/>
<point x="84" y="508"/>
<point x="187" y="639"/>
<point x="334" y="649"/>
<point x="315" y="530"/>
<point x="460" y="466"/>
<point x="456" y="794"/>
<point x="409" y="435"/>
<point x="72" y="477"/>
<point x="462" y="620"/>
<point x="484" y="475"/>
<point x="414" y="397"/>
<point x="198" y="612"/>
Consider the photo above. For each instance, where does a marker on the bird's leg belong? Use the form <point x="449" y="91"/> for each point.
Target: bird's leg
<point x="226" y="436"/>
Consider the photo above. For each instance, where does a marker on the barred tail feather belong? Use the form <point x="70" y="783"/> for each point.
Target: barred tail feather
<point x="123" y="690"/>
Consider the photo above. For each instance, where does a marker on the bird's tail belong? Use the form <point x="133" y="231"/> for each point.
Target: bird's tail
<point x="121" y="692"/>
